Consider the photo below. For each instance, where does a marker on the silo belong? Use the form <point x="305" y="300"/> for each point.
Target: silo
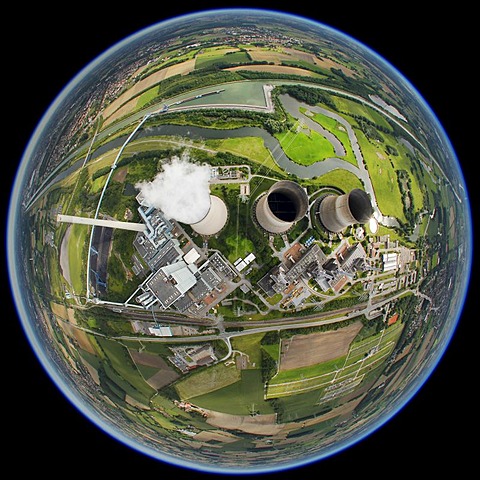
<point x="285" y="203"/>
<point x="214" y="220"/>
<point x="337" y="212"/>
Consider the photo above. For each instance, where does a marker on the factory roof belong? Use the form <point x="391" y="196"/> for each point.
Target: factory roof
<point x="182" y="275"/>
<point x="191" y="256"/>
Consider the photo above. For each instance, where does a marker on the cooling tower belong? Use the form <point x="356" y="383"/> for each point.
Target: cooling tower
<point x="284" y="204"/>
<point x="214" y="220"/>
<point x="339" y="211"/>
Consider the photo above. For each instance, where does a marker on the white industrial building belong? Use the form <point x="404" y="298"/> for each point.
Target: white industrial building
<point x="390" y="262"/>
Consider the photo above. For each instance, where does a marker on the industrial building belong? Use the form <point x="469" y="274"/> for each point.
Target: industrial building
<point x="284" y="204"/>
<point x="336" y="212"/>
<point x="158" y="232"/>
<point x="178" y="282"/>
<point x="332" y="273"/>
<point x="390" y="261"/>
<point x="214" y="220"/>
<point x="280" y="277"/>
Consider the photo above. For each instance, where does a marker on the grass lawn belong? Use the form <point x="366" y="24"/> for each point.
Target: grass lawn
<point x="342" y="179"/>
<point x="383" y="176"/>
<point x="340" y="132"/>
<point x="240" y="398"/>
<point x="305" y="149"/>
<point x="76" y="243"/>
<point x="250" y="345"/>
<point x="252" y="148"/>
<point x="207" y="380"/>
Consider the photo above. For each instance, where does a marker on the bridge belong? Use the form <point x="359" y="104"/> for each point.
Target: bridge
<point x="98" y="222"/>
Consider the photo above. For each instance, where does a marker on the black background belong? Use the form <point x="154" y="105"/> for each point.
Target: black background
<point x="433" y="48"/>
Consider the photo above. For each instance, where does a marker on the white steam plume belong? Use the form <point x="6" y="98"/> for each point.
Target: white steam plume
<point x="181" y="191"/>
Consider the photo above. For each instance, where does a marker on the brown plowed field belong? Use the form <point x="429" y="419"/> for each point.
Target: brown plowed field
<point x="165" y="374"/>
<point x="305" y="350"/>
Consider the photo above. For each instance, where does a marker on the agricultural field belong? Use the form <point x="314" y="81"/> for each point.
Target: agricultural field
<point x="306" y="350"/>
<point x="277" y="69"/>
<point x="154" y="369"/>
<point x="207" y="380"/>
<point x="337" y="375"/>
<point x="133" y="97"/>
<point x="220" y="56"/>
<point x="121" y="374"/>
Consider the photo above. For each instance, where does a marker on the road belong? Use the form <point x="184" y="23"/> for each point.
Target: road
<point x="97" y="211"/>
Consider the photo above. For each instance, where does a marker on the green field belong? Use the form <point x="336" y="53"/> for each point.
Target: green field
<point x="383" y="176"/>
<point x="342" y="179"/>
<point x="252" y="148"/>
<point x="220" y="57"/>
<point x="122" y="372"/>
<point x="250" y="345"/>
<point x="240" y="398"/>
<point x="207" y="380"/>
<point x="76" y="247"/>
<point x="239" y="247"/>
<point x="339" y="131"/>
<point x="305" y="149"/>
<point x="356" y="109"/>
<point x="147" y="97"/>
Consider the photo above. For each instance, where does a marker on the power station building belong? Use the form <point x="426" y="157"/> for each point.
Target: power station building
<point x="284" y="204"/>
<point x="214" y="220"/>
<point x="336" y="212"/>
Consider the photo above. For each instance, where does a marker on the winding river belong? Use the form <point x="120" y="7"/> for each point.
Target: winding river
<point x="292" y="106"/>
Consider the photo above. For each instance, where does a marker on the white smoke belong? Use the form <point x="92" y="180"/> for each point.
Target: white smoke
<point x="181" y="191"/>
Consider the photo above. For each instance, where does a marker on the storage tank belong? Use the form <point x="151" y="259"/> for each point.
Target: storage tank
<point x="337" y="212"/>
<point x="285" y="203"/>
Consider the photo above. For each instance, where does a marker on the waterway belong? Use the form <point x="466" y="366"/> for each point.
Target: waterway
<point x="293" y="107"/>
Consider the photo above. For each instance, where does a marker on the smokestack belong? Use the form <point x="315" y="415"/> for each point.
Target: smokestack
<point x="281" y="207"/>
<point x="339" y="211"/>
<point x="214" y="220"/>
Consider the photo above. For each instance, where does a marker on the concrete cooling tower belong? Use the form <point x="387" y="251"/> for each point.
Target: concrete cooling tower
<point x="285" y="203"/>
<point x="214" y="220"/>
<point x="337" y="212"/>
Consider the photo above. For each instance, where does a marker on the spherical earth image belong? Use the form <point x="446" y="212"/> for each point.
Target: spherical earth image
<point x="239" y="241"/>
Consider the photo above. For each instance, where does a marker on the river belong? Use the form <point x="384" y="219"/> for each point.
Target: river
<point x="292" y="106"/>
